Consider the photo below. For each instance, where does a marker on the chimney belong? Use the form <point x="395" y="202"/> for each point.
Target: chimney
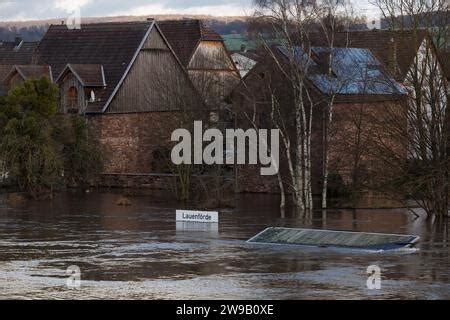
<point x="17" y="40"/>
<point x="17" y="43"/>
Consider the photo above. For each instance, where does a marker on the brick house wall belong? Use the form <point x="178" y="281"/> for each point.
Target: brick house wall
<point x="131" y="139"/>
<point x="350" y="159"/>
<point x="356" y="133"/>
<point x="137" y="146"/>
<point x="375" y="110"/>
<point x="252" y="99"/>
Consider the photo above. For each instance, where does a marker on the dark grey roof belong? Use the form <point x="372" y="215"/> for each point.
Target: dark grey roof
<point x="11" y="53"/>
<point x="111" y="45"/>
<point x="89" y="75"/>
<point x="184" y="36"/>
<point x="30" y="71"/>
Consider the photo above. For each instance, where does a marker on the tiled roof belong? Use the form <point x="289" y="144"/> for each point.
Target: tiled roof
<point x="184" y="36"/>
<point x="112" y="45"/>
<point x="208" y="34"/>
<point x="355" y="71"/>
<point x="4" y="70"/>
<point x="90" y="75"/>
<point x="382" y="43"/>
<point x="11" y="53"/>
<point x="31" y="71"/>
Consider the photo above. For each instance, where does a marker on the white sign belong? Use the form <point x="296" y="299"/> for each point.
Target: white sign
<point x="197" y="216"/>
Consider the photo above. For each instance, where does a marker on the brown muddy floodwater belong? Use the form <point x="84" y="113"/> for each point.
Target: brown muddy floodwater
<point x="136" y="252"/>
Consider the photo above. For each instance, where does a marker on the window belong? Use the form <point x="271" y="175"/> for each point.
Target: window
<point x="72" y="98"/>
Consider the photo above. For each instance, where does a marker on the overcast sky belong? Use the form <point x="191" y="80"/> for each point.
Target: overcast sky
<point x="44" y="9"/>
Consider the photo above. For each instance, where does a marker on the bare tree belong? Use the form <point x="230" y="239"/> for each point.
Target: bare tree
<point x="199" y="96"/>
<point x="291" y="24"/>
<point x="332" y="17"/>
<point x="425" y="176"/>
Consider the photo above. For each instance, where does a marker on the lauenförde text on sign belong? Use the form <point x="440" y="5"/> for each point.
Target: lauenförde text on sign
<point x="197" y="216"/>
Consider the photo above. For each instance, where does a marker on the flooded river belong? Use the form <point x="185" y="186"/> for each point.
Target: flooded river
<point x="137" y="252"/>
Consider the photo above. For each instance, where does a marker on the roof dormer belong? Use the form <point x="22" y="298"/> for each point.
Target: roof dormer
<point x="89" y="75"/>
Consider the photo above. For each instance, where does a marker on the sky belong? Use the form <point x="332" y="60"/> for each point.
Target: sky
<point x="13" y="10"/>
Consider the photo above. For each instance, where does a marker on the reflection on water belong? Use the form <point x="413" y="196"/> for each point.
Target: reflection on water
<point x="197" y="226"/>
<point x="139" y="252"/>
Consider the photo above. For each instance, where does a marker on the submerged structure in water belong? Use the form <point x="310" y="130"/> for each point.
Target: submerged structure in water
<point x="338" y="239"/>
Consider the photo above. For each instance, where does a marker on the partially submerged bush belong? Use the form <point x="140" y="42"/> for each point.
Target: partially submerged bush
<point x="82" y="154"/>
<point x="38" y="151"/>
<point x="28" y="151"/>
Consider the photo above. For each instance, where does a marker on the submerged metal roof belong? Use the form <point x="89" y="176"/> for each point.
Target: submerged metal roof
<point x="355" y="71"/>
<point x="328" y="238"/>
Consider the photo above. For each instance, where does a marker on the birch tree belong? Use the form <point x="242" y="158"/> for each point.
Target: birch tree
<point x="335" y="14"/>
<point x="290" y="23"/>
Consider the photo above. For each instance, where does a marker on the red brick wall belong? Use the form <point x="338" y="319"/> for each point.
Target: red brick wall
<point x="143" y="182"/>
<point x="251" y="181"/>
<point x="131" y="139"/>
<point x="343" y="149"/>
<point x="356" y="133"/>
<point x="254" y="100"/>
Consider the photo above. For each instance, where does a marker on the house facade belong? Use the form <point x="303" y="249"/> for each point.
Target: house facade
<point x="413" y="59"/>
<point x="398" y="57"/>
<point x="135" y="84"/>
<point x="358" y="82"/>
<point x="130" y="85"/>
